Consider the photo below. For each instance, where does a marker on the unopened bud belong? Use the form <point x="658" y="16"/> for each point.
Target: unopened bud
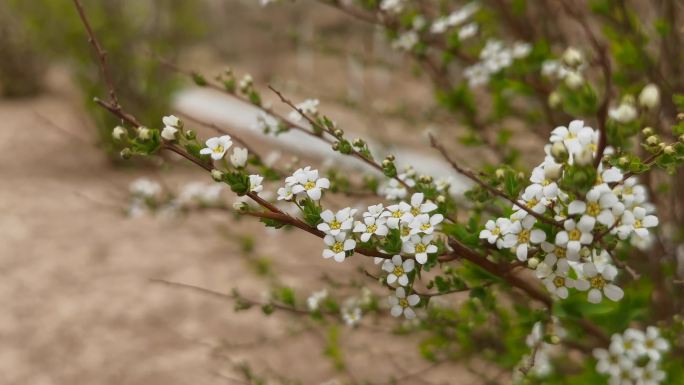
<point x="143" y="133"/>
<point x="559" y="152"/>
<point x="649" y="97"/>
<point x="574" y="80"/>
<point x="572" y="57"/>
<point x="532" y="263"/>
<point x="118" y="132"/>
<point x="217" y="175"/>
<point x="555" y="99"/>
<point x="126" y="153"/>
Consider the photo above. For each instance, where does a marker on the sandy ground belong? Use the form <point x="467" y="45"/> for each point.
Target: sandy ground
<point x="79" y="306"/>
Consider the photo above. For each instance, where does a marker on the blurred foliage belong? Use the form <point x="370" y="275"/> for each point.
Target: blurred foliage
<point x="132" y="32"/>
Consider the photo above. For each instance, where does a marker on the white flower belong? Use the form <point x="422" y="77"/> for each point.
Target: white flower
<point x="559" y="282"/>
<point x="573" y="237"/>
<point x="395" y="213"/>
<point x="398" y="270"/>
<point x="145" y="188"/>
<point x="351" y="316"/>
<point x="169" y="133"/>
<point x="315" y="299"/>
<point x="265" y="123"/>
<point x="654" y="344"/>
<point x="308" y="107"/>
<point x="467" y="31"/>
<point x="601" y="283"/>
<point x="371" y="225"/>
<point x="255" y="183"/>
<point x="338" y="246"/>
<point x="285" y="193"/>
<point x="624" y="113"/>
<point x="217" y="147"/>
<point x="374" y="211"/>
<point x="420" y="247"/>
<point x="393" y="6"/>
<point x="494" y="231"/>
<point x="599" y="207"/>
<point x="401" y="304"/>
<point x="239" y="157"/>
<point x="636" y="221"/>
<point x="521" y="235"/>
<point x="649" y="97"/>
<point x="333" y="224"/>
<point x="118" y="132"/>
<point x="426" y="224"/>
<point x="306" y="181"/>
<point x="172" y="121"/>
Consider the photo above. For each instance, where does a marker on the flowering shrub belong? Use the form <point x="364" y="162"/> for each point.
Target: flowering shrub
<point x="536" y="250"/>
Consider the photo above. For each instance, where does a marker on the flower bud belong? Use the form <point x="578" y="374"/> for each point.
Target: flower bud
<point x="584" y="157"/>
<point x="555" y="99"/>
<point x="118" y="132"/>
<point x="559" y="152"/>
<point x="649" y="97"/>
<point x="572" y="57"/>
<point x="669" y="150"/>
<point x="574" y="80"/>
<point x="647" y="131"/>
<point x="126" y="153"/>
<point x="552" y="171"/>
<point x="217" y="175"/>
<point x="532" y="263"/>
<point x="143" y="133"/>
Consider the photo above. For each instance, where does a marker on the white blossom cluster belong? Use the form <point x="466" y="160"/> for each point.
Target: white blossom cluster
<point x="573" y="256"/>
<point x="494" y="57"/>
<point x="633" y="357"/>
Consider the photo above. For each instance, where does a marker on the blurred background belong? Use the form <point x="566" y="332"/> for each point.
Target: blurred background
<point x="79" y="262"/>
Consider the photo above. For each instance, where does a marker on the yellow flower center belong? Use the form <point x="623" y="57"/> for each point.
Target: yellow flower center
<point x="398" y="271"/>
<point x="309" y="185"/>
<point x="560" y="252"/>
<point x="403" y="302"/>
<point x="524" y="236"/>
<point x="559" y="281"/>
<point x="335" y="225"/>
<point x="420" y="248"/>
<point x="371" y="228"/>
<point x="574" y="235"/>
<point x="338" y="247"/>
<point x="593" y="209"/>
<point x="597" y="282"/>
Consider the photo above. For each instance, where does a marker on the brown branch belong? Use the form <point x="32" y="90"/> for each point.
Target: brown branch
<point x="101" y="55"/>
